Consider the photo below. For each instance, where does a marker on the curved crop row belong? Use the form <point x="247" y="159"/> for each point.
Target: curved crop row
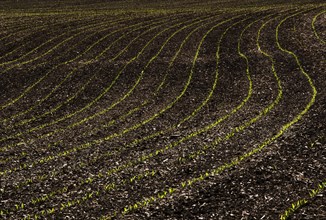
<point x="222" y="22"/>
<point x="139" y="114"/>
<point x="301" y="202"/>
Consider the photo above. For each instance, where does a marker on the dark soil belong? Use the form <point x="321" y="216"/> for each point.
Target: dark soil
<point x="104" y="105"/>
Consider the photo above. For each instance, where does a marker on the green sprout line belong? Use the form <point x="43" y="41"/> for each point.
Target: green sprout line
<point x="29" y="88"/>
<point x="265" y="111"/>
<point x="22" y="122"/>
<point x="314" y="27"/>
<point x="87" y="145"/>
<point x="40" y="46"/>
<point x="65" y="63"/>
<point x="36" y="29"/>
<point x="113" y="121"/>
<point x="45" y="98"/>
<point x="100" y="174"/>
<point x="236" y="161"/>
<point x="295" y="206"/>
<point x="64" y="153"/>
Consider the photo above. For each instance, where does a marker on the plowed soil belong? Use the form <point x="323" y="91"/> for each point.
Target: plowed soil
<point x="162" y="110"/>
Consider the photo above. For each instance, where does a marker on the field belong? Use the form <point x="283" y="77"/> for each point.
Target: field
<point x="163" y="109"/>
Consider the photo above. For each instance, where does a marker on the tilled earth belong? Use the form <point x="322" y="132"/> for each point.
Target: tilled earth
<point x="162" y="114"/>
